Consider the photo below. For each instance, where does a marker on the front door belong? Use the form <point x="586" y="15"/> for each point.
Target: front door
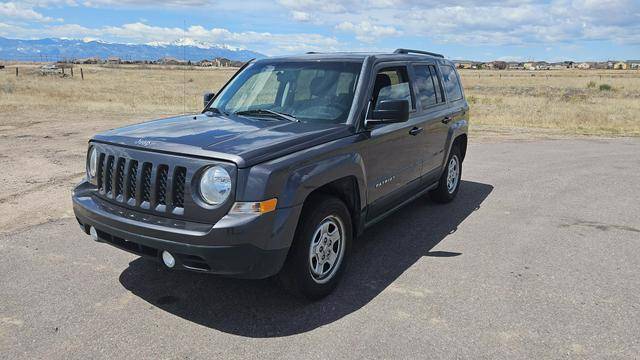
<point x="394" y="151"/>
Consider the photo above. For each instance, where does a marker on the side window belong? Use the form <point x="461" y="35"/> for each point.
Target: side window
<point x="426" y="85"/>
<point x="451" y="83"/>
<point x="437" y="83"/>
<point x="392" y="84"/>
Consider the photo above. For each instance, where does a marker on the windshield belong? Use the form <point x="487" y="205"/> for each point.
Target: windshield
<point x="308" y="91"/>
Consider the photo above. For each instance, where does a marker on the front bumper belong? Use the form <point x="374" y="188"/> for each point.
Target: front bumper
<point x="238" y="246"/>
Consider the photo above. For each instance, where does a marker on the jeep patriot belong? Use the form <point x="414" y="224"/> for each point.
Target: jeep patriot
<point x="290" y="161"/>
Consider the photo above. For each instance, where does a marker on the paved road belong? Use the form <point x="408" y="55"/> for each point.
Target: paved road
<point x="539" y="257"/>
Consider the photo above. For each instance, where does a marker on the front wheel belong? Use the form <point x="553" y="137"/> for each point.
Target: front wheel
<point x="449" y="183"/>
<point x="320" y="248"/>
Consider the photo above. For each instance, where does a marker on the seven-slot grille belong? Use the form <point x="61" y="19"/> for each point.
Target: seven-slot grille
<point x="140" y="183"/>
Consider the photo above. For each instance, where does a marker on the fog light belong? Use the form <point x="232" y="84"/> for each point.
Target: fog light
<point x="168" y="259"/>
<point x="94" y="233"/>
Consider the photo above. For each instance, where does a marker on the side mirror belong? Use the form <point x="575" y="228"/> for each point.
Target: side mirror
<point x="207" y="97"/>
<point x="389" y="112"/>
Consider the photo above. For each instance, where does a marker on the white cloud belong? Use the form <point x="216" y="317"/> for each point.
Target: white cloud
<point x="490" y="22"/>
<point x="300" y="16"/>
<point x="266" y="42"/>
<point x="368" y="32"/>
<point x="363" y="22"/>
<point x="22" y="11"/>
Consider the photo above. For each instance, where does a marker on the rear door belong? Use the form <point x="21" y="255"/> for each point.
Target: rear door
<point x="457" y="107"/>
<point x="394" y="152"/>
<point x="431" y="110"/>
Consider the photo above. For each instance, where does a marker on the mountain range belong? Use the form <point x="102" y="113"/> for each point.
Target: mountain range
<point x="54" y="49"/>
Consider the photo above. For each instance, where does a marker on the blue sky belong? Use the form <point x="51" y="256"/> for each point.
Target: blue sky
<point x="461" y="29"/>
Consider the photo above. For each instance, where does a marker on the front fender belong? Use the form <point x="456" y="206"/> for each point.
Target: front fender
<point x="292" y="178"/>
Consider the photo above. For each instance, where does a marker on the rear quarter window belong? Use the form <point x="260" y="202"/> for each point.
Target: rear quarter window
<point x="451" y="83"/>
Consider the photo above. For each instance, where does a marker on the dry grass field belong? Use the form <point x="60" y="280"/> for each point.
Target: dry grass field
<point x="45" y="121"/>
<point x="594" y="102"/>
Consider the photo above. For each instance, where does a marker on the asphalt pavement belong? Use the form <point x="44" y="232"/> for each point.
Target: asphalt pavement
<point x="538" y="257"/>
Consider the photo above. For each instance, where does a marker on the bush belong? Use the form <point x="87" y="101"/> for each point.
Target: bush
<point x="605" y="87"/>
<point x="591" y="85"/>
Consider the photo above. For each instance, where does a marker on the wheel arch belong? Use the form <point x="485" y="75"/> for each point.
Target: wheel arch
<point x="457" y="135"/>
<point x="348" y="191"/>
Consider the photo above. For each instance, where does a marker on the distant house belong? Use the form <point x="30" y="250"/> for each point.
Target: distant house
<point x="529" y="66"/>
<point x="500" y="65"/>
<point x="464" y="64"/>
<point x="584" y="66"/>
<point x="114" y="60"/>
<point x="542" y="65"/>
<point x="515" y="65"/>
<point x="50" y="69"/>
<point x="91" y="60"/>
<point x="167" y="60"/>
<point x="634" y="64"/>
<point x="558" y="66"/>
<point x="205" y="63"/>
<point x="621" y="65"/>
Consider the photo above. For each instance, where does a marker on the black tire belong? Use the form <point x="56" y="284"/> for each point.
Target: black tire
<point x="444" y="194"/>
<point x="296" y="275"/>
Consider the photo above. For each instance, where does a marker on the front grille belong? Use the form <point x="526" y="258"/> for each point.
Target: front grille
<point x="162" y="184"/>
<point x="108" y="178"/>
<point x="120" y="177"/>
<point x="178" y="186"/>
<point x="141" y="184"/>
<point x="133" y="180"/>
<point x="146" y="182"/>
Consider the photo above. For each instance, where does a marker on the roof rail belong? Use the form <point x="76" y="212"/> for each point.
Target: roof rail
<point x="409" y="51"/>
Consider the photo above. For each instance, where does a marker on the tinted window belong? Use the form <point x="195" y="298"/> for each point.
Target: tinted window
<point x="451" y="83"/>
<point x="426" y="86"/>
<point x="392" y="84"/>
<point x="437" y="83"/>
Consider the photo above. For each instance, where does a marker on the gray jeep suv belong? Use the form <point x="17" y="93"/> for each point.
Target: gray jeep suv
<point x="284" y="167"/>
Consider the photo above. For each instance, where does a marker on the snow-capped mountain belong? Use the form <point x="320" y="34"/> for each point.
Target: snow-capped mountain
<point x="194" y="43"/>
<point x="52" y="49"/>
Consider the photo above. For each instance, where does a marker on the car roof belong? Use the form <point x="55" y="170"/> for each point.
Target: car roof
<point x="358" y="57"/>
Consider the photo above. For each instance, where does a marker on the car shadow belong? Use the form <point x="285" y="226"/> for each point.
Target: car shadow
<point x="259" y="308"/>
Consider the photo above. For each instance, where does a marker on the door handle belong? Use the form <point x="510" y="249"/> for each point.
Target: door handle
<point x="446" y="119"/>
<point x="415" y="131"/>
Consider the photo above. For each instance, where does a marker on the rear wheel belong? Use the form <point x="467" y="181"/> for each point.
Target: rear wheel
<point x="320" y="248"/>
<point x="449" y="183"/>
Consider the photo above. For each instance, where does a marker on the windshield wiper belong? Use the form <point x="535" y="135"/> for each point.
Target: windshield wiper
<point x="215" y="110"/>
<point x="268" y="112"/>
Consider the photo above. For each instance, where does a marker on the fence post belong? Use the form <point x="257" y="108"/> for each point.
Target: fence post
<point x="71" y="72"/>
<point x="81" y="74"/>
<point x="16" y="71"/>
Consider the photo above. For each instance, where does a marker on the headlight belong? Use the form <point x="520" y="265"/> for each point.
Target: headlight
<point x="92" y="163"/>
<point x="215" y="185"/>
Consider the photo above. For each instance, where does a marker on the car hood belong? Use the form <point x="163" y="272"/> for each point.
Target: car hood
<point x="243" y="140"/>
